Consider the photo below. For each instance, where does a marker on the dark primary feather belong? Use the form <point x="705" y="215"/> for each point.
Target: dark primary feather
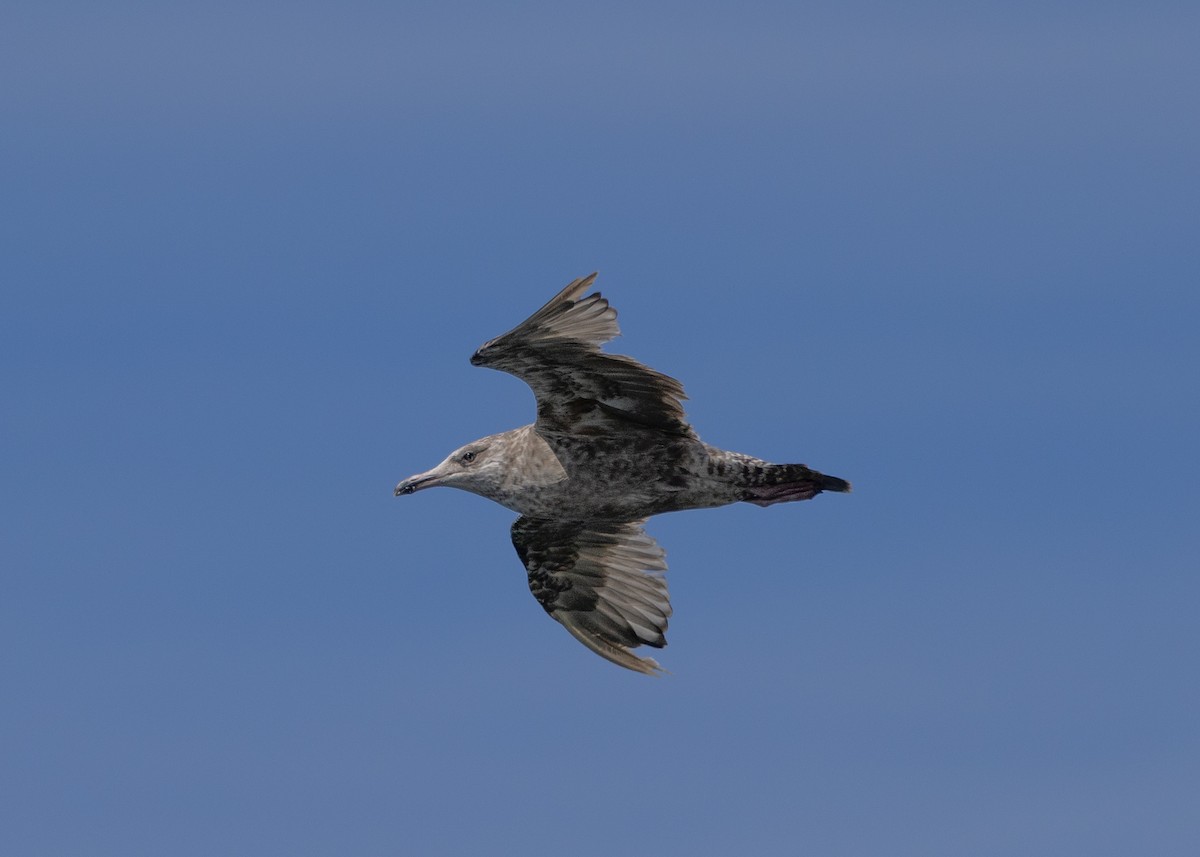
<point x="579" y="389"/>
<point x="603" y="581"/>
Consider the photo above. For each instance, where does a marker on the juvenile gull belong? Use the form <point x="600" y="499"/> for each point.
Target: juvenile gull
<point x="610" y="448"/>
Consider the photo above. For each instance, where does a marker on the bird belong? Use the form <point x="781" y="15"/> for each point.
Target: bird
<point x="610" y="447"/>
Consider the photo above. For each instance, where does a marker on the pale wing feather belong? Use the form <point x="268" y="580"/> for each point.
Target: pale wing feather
<point x="568" y="316"/>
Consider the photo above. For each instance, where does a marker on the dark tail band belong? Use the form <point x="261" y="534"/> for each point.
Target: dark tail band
<point x="786" y="483"/>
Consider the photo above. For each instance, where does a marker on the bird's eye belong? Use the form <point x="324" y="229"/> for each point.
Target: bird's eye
<point x="468" y="457"/>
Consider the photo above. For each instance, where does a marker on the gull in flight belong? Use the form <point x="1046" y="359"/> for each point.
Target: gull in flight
<point x="610" y="448"/>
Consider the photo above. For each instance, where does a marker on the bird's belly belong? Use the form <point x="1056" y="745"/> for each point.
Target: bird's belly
<point x="582" y="497"/>
<point x="611" y="478"/>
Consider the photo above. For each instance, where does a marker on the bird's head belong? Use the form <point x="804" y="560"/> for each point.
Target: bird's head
<point x="477" y="467"/>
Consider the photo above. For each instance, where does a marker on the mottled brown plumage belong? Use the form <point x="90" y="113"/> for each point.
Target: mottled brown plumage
<point x="611" y="446"/>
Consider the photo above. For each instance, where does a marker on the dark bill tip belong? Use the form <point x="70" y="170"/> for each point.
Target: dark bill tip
<point x="414" y="484"/>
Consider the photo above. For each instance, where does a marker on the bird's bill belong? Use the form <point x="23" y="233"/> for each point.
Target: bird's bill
<point x="412" y="484"/>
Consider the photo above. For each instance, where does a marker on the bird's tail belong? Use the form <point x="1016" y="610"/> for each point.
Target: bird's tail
<point x="784" y="483"/>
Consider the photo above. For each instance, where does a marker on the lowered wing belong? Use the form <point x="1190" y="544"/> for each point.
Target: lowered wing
<point x="603" y="581"/>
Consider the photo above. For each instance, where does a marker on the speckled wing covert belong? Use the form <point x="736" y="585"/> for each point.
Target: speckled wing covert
<point x="579" y="389"/>
<point x="603" y="581"/>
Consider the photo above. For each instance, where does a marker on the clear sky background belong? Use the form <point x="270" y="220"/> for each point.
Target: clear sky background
<point x="948" y="251"/>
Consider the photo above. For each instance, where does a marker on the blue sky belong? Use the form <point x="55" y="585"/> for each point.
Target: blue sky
<point x="946" y="251"/>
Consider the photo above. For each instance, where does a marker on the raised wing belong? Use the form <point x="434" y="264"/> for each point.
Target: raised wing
<point x="603" y="581"/>
<point x="579" y="389"/>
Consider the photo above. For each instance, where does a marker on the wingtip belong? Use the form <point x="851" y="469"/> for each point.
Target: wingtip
<point x="576" y="290"/>
<point x="620" y="655"/>
<point x="645" y="666"/>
